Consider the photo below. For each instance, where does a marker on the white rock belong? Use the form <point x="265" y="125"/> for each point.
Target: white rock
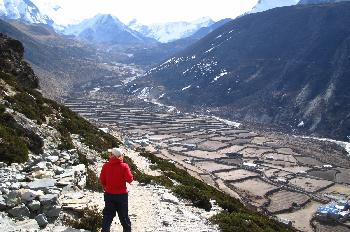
<point x="79" y="168"/>
<point x="15" y="186"/>
<point x="28" y="194"/>
<point x="167" y="197"/>
<point x="52" y="159"/>
<point x="42" y="184"/>
<point x="42" y="174"/>
<point x="34" y="205"/>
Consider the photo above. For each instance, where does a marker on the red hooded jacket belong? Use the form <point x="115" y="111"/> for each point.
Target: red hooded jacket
<point x="114" y="176"/>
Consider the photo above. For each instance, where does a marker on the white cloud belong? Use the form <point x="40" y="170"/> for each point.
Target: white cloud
<point x="146" y="11"/>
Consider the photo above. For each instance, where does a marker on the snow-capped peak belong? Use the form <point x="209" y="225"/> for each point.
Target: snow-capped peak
<point x="23" y="10"/>
<point x="166" y="32"/>
<point x="264" y="5"/>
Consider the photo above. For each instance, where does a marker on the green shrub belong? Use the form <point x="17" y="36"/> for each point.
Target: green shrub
<point x="13" y="149"/>
<point x="195" y="195"/>
<point x="92" y="181"/>
<point x="247" y="222"/>
<point x="90" y="219"/>
<point x="2" y="109"/>
<point x="16" y="141"/>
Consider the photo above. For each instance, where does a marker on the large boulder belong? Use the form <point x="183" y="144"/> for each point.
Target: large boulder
<point x="29" y="195"/>
<point x="41" y="220"/>
<point x="52" y="211"/>
<point x="34" y="205"/>
<point x="19" y="212"/>
<point x="13" y="199"/>
<point x="42" y="184"/>
<point x="48" y="199"/>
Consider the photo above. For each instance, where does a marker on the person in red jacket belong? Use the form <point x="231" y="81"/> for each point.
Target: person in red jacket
<point x="114" y="176"/>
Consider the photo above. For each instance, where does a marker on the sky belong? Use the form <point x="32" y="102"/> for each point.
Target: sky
<point x="145" y="11"/>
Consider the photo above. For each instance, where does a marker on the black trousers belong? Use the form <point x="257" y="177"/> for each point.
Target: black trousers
<point x="116" y="203"/>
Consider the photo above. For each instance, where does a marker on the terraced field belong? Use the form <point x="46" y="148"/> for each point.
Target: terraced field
<point x="285" y="176"/>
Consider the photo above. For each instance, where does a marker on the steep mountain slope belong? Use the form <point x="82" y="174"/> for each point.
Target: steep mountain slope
<point x="105" y="29"/>
<point x="23" y="10"/>
<point x="23" y="112"/>
<point x="202" y="32"/>
<point x="156" y="53"/>
<point x="320" y="1"/>
<point x="264" y="5"/>
<point x="287" y="66"/>
<point x="167" y="32"/>
<point x="62" y="64"/>
<point x="47" y="153"/>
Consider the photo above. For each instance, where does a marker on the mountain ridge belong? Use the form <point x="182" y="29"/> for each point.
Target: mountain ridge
<point x="105" y="28"/>
<point x="249" y="73"/>
<point x="23" y="10"/>
<point x="168" y="32"/>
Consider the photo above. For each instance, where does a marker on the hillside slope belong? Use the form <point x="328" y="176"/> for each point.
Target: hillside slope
<point x="287" y="66"/>
<point x="50" y="158"/>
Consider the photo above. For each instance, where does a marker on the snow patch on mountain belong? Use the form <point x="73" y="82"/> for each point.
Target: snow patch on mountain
<point x="105" y="28"/>
<point x="264" y="5"/>
<point x="166" y="32"/>
<point x="23" y="10"/>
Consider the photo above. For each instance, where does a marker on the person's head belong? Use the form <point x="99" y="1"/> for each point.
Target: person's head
<point x="116" y="153"/>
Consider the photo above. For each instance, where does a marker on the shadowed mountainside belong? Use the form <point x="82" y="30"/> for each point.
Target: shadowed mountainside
<point x="287" y="66"/>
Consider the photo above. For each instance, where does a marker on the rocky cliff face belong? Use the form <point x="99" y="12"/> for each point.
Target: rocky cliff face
<point x="11" y="62"/>
<point x="287" y="66"/>
<point x="39" y="144"/>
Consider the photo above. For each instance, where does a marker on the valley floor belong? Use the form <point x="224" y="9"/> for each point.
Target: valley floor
<point x="284" y="176"/>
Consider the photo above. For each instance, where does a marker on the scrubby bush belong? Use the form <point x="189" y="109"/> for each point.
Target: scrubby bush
<point x="90" y="219"/>
<point x="12" y="148"/>
<point x="195" y="195"/>
<point x="92" y="181"/>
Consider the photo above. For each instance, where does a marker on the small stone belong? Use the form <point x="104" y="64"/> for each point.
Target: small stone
<point x="52" y="159"/>
<point x="19" y="212"/>
<point x="4" y="190"/>
<point x="40" y="166"/>
<point x="20" y="177"/>
<point x="79" y="168"/>
<point x="41" y="174"/>
<point x="13" y="199"/>
<point x="41" y="220"/>
<point x="34" y="205"/>
<point x="166" y="223"/>
<point x="15" y="186"/>
<point x="167" y="197"/>
<point x="48" y="199"/>
<point x="53" y="211"/>
<point x="28" y="194"/>
<point x="58" y="170"/>
<point x="2" y="203"/>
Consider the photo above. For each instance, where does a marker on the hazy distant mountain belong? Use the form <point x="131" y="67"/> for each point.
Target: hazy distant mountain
<point x="23" y="10"/>
<point x="200" y="33"/>
<point x="320" y="1"/>
<point x="288" y="66"/>
<point x="166" y="32"/>
<point x="105" y="28"/>
<point x="264" y="5"/>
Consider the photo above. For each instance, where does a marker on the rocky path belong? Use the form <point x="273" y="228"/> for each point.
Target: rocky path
<point x="154" y="208"/>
